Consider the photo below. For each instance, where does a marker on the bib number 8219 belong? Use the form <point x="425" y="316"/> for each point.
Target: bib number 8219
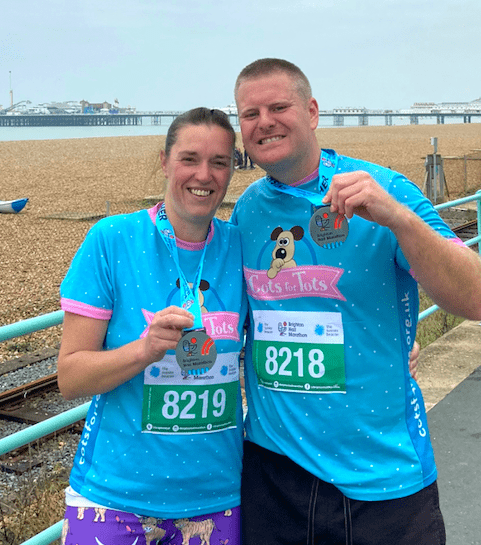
<point x="184" y="405"/>
<point x="282" y="362"/>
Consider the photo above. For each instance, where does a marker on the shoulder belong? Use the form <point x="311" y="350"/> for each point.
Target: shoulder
<point x="224" y="230"/>
<point x="251" y="195"/>
<point x="394" y="182"/>
<point x="111" y="226"/>
<point x="256" y="188"/>
<point x="350" y="164"/>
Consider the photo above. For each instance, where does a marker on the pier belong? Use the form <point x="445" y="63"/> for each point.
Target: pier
<point x="68" y="120"/>
<point x="338" y="118"/>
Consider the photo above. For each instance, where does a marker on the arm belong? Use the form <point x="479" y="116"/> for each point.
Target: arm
<point x="450" y="274"/>
<point x="85" y="369"/>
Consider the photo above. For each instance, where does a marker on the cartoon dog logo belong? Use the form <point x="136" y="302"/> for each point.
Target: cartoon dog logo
<point x="204" y="286"/>
<point x="283" y="253"/>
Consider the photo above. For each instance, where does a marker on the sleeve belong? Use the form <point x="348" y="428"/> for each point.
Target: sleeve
<point x="411" y="196"/>
<point x="87" y="288"/>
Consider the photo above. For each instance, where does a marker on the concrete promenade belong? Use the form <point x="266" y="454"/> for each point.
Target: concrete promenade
<point x="450" y="377"/>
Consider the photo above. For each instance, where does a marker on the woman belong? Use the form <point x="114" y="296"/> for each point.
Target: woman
<point x="154" y="315"/>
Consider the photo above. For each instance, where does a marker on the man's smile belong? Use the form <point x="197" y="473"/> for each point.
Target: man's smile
<point x="270" y="139"/>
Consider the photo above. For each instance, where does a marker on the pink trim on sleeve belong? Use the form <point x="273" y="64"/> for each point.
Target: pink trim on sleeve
<point x="75" y="307"/>
<point x="458" y="241"/>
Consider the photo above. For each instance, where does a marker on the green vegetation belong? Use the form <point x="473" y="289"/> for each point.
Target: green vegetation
<point x="435" y="325"/>
<point x="38" y="504"/>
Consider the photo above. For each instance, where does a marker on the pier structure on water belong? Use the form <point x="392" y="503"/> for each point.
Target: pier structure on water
<point x="338" y="117"/>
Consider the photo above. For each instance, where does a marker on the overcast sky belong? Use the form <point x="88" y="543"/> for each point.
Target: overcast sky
<point x="178" y="54"/>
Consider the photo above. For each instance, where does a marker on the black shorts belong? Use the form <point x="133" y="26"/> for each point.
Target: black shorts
<point x="282" y="503"/>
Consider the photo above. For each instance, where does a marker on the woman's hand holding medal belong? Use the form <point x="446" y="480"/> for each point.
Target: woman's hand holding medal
<point x="165" y="332"/>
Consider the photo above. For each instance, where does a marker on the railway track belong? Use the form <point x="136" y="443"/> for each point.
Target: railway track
<point x="24" y="405"/>
<point x="12" y="402"/>
<point x="16" y="403"/>
<point x="467" y="231"/>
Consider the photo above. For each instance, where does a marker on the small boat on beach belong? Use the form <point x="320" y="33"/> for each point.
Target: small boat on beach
<point x="12" y="207"/>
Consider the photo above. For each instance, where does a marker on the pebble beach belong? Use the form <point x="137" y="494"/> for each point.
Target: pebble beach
<point x="68" y="181"/>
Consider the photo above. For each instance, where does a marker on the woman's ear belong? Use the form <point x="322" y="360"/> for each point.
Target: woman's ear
<point x="163" y="162"/>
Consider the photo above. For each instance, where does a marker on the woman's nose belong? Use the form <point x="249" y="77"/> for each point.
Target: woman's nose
<point x="203" y="172"/>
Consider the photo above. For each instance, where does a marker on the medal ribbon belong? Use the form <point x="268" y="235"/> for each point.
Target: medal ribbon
<point x="327" y="169"/>
<point x="188" y="296"/>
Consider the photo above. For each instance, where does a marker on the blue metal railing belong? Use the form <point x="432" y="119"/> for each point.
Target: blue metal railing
<point x="470" y="242"/>
<point x="30" y="325"/>
<point x="71" y="416"/>
<point x="50" y="425"/>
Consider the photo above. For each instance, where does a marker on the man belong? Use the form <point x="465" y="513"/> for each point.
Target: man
<point x="337" y="447"/>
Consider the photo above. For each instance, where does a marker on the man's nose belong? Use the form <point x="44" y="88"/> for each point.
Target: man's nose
<point x="266" y="119"/>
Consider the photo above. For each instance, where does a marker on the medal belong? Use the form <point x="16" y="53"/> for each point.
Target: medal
<point x="196" y="352"/>
<point x="328" y="229"/>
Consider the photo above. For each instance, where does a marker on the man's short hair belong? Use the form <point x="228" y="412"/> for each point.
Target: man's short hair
<point x="268" y="66"/>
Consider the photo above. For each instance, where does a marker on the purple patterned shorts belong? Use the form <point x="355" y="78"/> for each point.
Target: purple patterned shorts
<point x="88" y="525"/>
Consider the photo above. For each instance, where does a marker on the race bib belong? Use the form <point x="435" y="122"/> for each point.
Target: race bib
<point x="176" y="402"/>
<point x="299" y="351"/>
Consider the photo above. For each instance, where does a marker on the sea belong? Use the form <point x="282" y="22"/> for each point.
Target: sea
<point x="9" y="134"/>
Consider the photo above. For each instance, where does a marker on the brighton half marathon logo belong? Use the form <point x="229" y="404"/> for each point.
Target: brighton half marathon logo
<point x="196" y="352"/>
<point x="190" y="346"/>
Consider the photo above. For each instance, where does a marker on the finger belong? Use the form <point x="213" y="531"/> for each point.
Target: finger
<point x="339" y="183"/>
<point x="175" y="310"/>
<point x="332" y="195"/>
<point x="172" y="322"/>
<point x="327" y="197"/>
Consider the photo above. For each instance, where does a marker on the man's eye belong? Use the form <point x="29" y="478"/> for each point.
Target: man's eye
<point x="249" y="115"/>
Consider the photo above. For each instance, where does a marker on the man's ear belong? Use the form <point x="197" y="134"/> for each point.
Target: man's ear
<point x="313" y="113"/>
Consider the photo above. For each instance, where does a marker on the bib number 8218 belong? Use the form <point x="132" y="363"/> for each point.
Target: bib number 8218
<point x="273" y="366"/>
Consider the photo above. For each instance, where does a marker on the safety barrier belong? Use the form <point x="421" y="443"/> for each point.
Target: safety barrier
<point x="470" y="242"/>
<point x="71" y="416"/>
